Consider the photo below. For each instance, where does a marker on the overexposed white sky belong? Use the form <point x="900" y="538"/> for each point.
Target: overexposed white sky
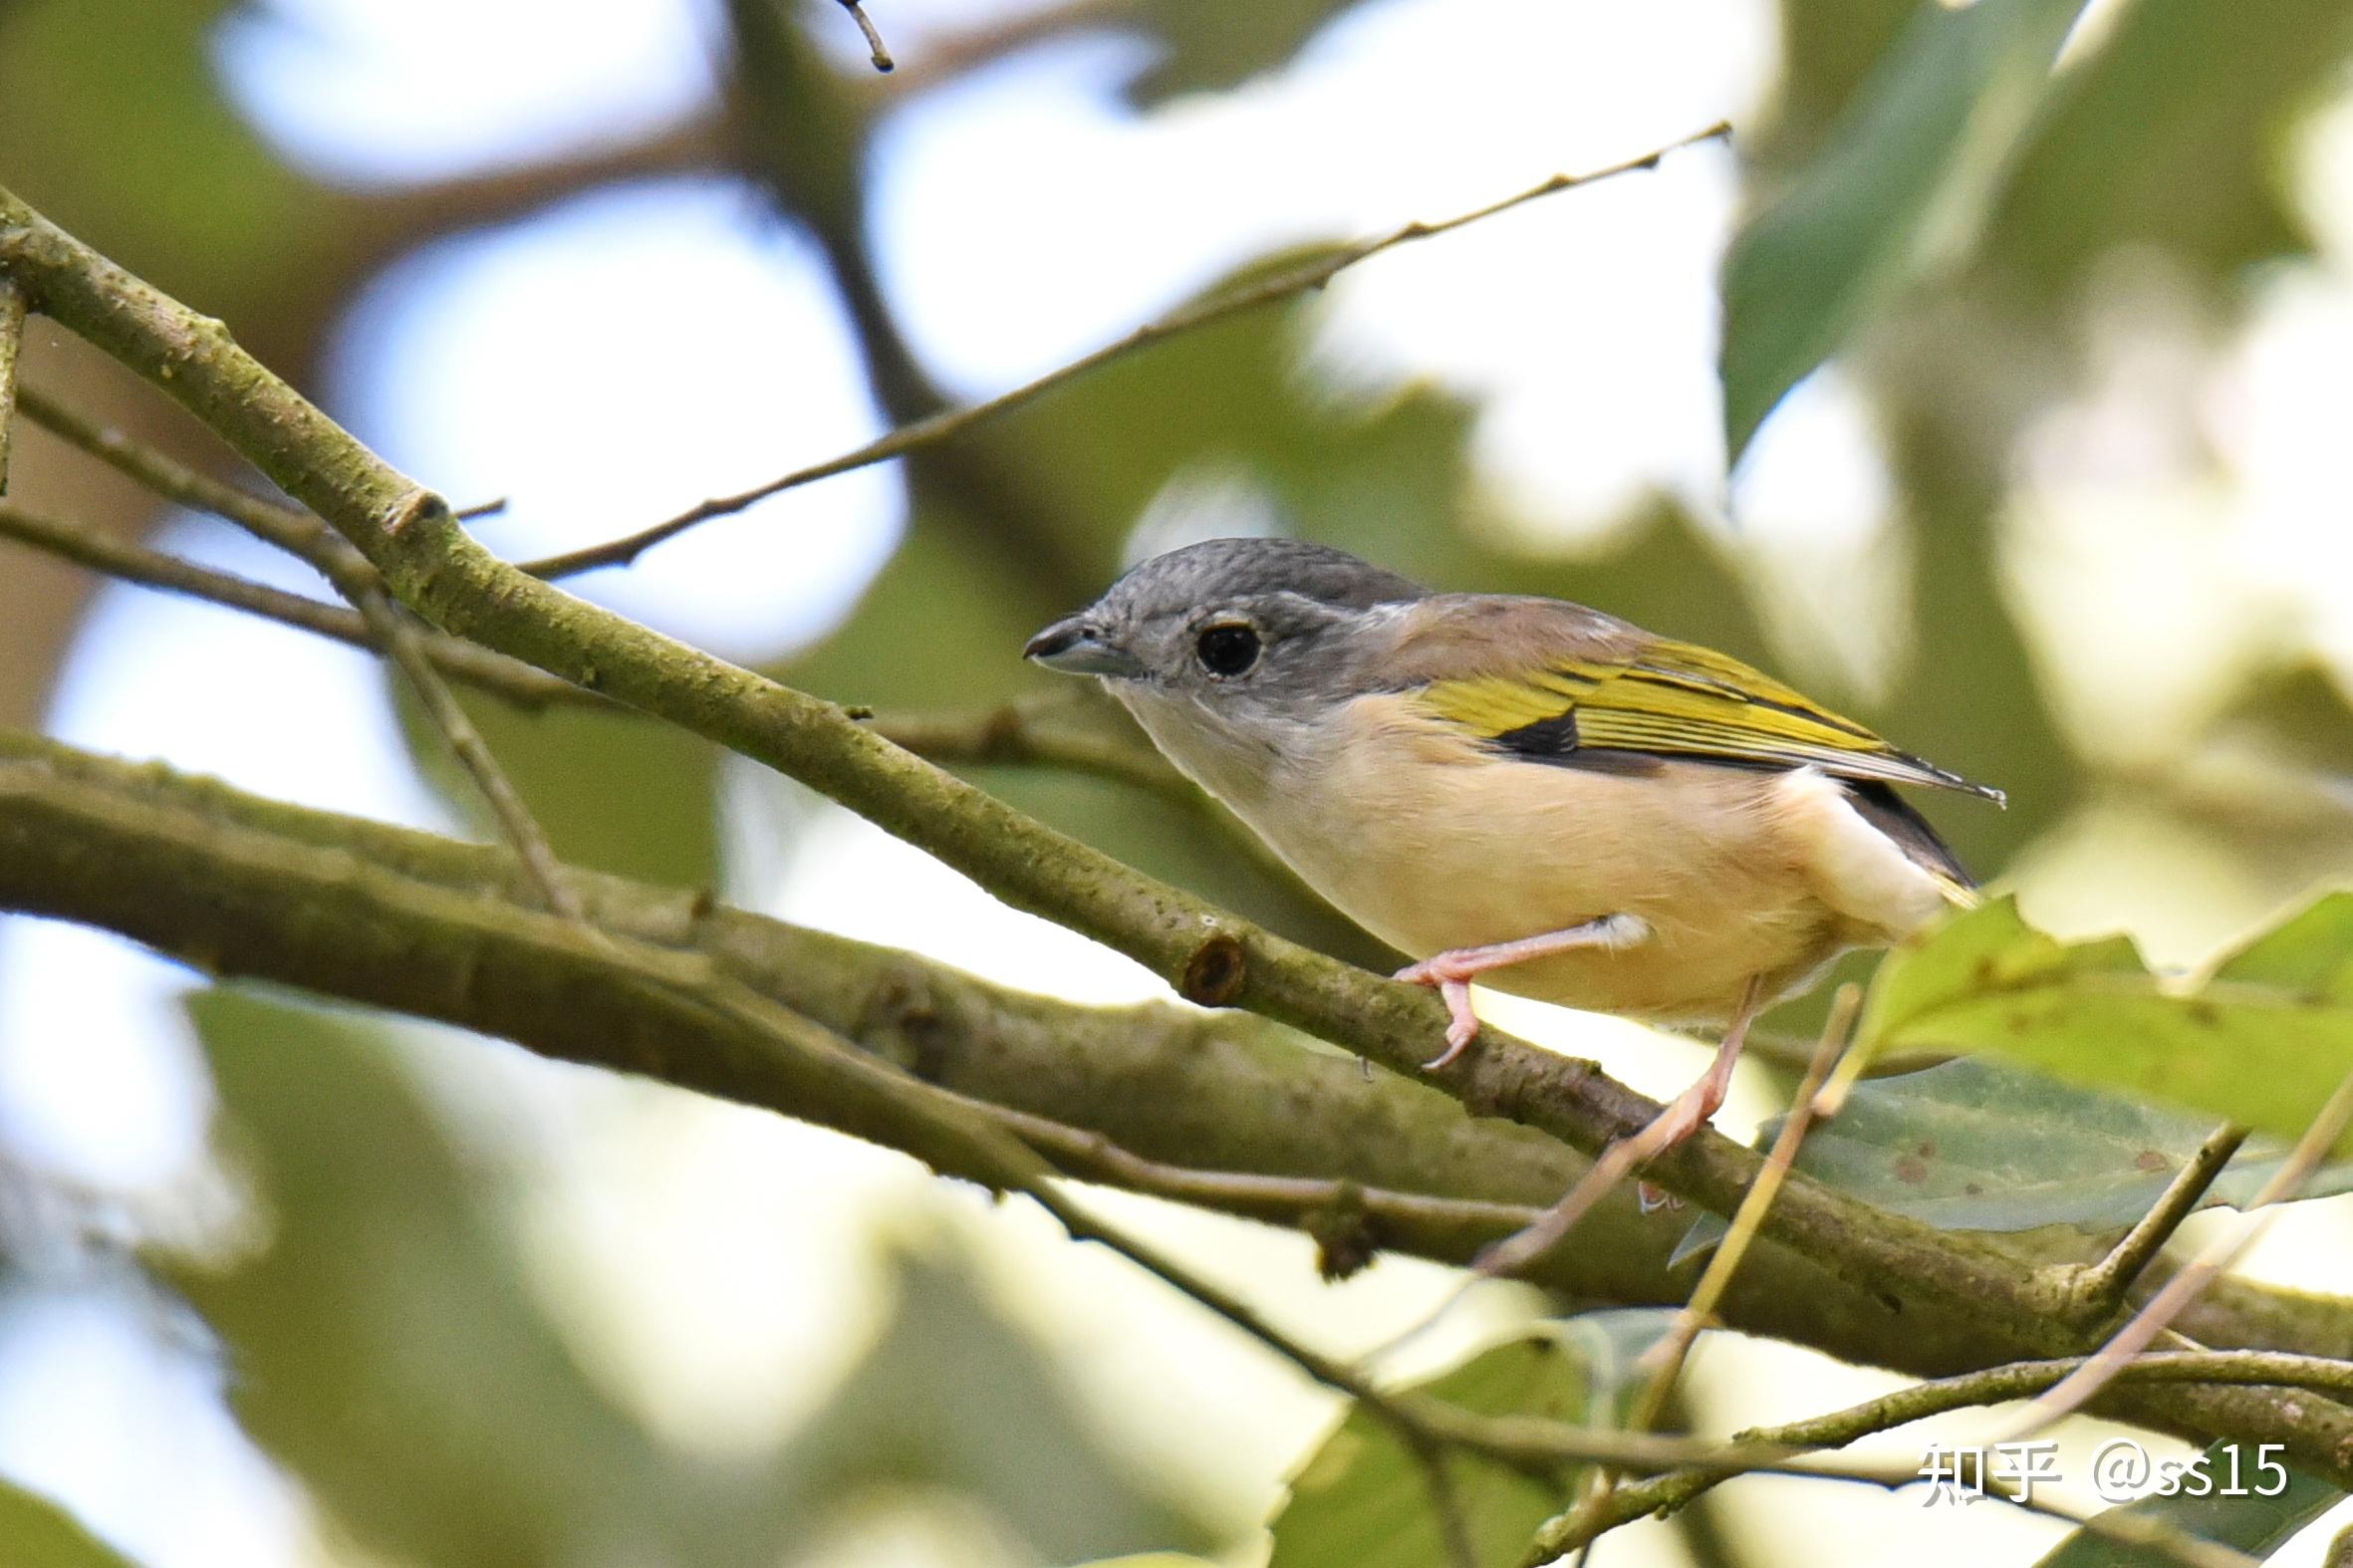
<point x="1025" y="215"/>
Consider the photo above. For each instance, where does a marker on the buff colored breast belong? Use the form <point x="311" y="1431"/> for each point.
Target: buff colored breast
<point x="1431" y="842"/>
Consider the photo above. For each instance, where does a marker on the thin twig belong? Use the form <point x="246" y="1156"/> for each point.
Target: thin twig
<point x="952" y="422"/>
<point x="2175" y="1296"/>
<point x="873" y="38"/>
<point x="293" y="531"/>
<point x="388" y="627"/>
<point x="404" y="645"/>
<point x="437" y="568"/>
<point x="1993" y="1386"/>
<point x="101" y="551"/>
<point x="1665" y="1358"/>
<point x="1055" y="730"/>
<point x="934" y="1123"/>
<point x="950" y="56"/>
<point x="2100" y="1289"/>
<point x="11" y="337"/>
<point x="1289" y="1199"/>
<point x="493" y="939"/>
<point x="480" y="509"/>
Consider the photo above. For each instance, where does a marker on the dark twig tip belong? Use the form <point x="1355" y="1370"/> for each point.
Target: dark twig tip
<point x="875" y="48"/>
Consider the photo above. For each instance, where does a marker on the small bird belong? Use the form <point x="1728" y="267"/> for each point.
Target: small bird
<point x="1523" y="791"/>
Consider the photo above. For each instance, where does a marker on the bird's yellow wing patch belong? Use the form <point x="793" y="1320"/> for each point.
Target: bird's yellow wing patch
<point x="1671" y="699"/>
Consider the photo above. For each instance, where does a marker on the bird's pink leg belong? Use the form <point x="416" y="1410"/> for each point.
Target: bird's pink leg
<point x="1687" y="1112"/>
<point x="1678" y="1119"/>
<point x="1690" y="1111"/>
<point x="1452" y="971"/>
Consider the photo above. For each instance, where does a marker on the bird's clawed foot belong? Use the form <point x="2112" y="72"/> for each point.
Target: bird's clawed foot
<point x="1451" y="976"/>
<point x="1452" y="971"/>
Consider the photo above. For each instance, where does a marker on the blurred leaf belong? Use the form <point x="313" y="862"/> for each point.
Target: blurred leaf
<point x="1363" y="1501"/>
<point x="2310" y="953"/>
<point x="1828" y="49"/>
<point x="1974" y="1144"/>
<point x="2257" y="1526"/>
<point x="1612" y="1342"/>
<point x="615" y="792"/>
<point x="1218" y="45"/>
<point x="1897" y="192"/>
<point x="952" y="1396"/>
<point x="1352" y="472"/>
<point x="2250" y="1050"/>
<point x="115" y="122"/>
<point x="918" y="640"/>
<point x="37" y="1533"/>
<point x="387" y="1347"/>
<point x="2300" y="714"/>
<point x="2170" y="135"/>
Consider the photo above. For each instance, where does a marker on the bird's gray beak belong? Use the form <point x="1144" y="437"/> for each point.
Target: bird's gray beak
<point x="1078" y="648"/>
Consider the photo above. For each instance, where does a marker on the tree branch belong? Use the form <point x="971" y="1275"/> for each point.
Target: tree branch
<point x="467" y="959"/>
<point x="12" y="338"/>
<point x="1210" y="956"/>
<point x="1993" y="1386"/>
<point x="101" y="551"/>
<point x="2158" y="1314"/>
<point x="388" y="627"/>
<point x="2101" y="1287"/>
<point x="175" y="481"/>
<point x="949" y="422"/>
<point x="1084" y="732"/>
<point x="1055" y="730"/>
<point x="1222" y="1112"/>
<point x="791" y="113"/>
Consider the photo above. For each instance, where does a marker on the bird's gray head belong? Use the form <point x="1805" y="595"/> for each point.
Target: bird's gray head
<point x="1270" y="622"/>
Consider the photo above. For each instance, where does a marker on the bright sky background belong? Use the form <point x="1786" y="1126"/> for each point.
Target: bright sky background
<point x="1025" y="216"/>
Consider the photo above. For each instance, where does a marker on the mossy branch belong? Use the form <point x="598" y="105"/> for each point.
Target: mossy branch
<point x="1208" y="956"/>
<point x="1221" y="1110"/>
<point x="429" y="563"/>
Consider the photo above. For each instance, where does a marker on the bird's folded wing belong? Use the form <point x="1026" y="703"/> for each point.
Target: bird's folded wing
<point x="1671" y="699"/>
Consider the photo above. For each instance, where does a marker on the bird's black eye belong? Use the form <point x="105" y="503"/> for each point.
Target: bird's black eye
<point x="1227" y="649"/>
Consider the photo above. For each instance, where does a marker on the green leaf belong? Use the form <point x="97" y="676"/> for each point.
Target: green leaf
<point x="2263" y="1042"/>
<point x="1975" y="1145"/>
<point x="37" y="1533"/>
<point x="1205" y="46"/>
<point x="1362" y="1500"/>
<point x="1897" y="194"/>
<point x="2170" y="139"/>
<point x="1828" y="51"/>
<point x="2257" y="1526"/>
<point x="112" y="113"/>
